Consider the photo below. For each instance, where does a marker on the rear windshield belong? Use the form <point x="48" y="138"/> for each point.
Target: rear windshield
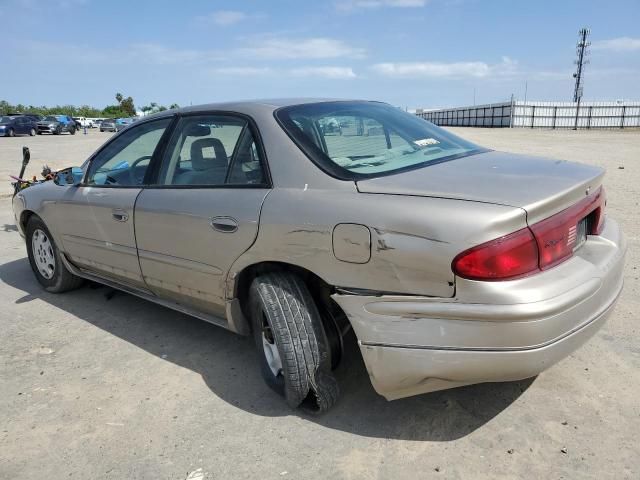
<point x="6" y="119"/>
<point x="353" y="140"/>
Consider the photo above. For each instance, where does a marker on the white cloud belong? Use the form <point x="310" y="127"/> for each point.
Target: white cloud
<point x="293" y="48"/>
<point x="330" y="72"/>
<point x="326" y="72"/>
<point x="242" y="71"/>
<point x="445" y="69"/>
<point x="621" y="44"/>
<point x="223" y="17"/>
<point x="348" y="5"/>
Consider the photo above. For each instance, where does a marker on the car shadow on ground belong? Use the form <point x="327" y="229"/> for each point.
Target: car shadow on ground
<point x="228" y="365"/>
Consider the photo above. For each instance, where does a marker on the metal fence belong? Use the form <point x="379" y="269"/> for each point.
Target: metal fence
<point x="551" y="115"/>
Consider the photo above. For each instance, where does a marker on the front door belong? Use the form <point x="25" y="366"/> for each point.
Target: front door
<point x="203" y="211"/>
<point x="96" y="218"/>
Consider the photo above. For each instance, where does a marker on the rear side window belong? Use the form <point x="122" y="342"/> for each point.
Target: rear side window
<point x="354" y="140"/>
<point x="212" y="150"/>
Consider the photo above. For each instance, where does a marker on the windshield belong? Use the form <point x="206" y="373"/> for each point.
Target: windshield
<point x="6" y="119"/>
<point x="50" y="118"/>
<point x="353" y="140"/>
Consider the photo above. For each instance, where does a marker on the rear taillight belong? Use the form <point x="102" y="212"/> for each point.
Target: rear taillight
<point x="530" y="250"/>
<point x="556" y="235"/>
<point x="508" y="257"/>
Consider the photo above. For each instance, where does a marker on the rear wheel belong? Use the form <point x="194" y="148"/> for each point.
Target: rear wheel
<point x="12" y="133"/>
<point x="45" y="259"/>
<point x="291" y="342"/>
<point x="72" y="131"/>
<point x="32" y="132"/>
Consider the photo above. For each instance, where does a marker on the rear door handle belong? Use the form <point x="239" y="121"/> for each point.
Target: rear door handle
<point x="224" y="224"/>
<point x="120" y="215"/>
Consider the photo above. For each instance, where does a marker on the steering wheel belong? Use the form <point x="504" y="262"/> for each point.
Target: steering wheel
<point x="132" y="170"/>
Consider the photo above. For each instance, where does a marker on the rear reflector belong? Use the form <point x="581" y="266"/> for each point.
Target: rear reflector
<point x="530" y="250"/>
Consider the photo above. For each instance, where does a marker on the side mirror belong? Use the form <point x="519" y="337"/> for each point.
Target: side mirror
<point x="69" y="176"/>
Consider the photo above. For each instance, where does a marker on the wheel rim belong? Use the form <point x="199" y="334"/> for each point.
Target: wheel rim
<point x="43" y="254"/>
<point x="270" y="349"/>
<point x="32" y="132"/>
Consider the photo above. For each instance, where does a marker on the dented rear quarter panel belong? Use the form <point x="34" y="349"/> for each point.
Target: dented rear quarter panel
<point x="413" y="239"/>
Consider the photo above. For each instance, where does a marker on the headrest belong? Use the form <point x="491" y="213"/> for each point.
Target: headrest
<point x="201" y="159"/>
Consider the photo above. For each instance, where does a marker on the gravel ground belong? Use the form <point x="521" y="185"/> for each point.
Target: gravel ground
<point x="120" y="388"/>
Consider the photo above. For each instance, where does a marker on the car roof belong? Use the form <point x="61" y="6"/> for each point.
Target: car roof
<point x="248" y="106"/>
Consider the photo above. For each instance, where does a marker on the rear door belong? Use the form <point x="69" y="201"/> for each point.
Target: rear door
<point x="21" y="125"/>
<point x="203" y="211"/>
<point x="96" y="218"/>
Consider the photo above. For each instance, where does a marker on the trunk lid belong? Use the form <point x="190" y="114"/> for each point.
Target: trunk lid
<point x="540" y="186"/>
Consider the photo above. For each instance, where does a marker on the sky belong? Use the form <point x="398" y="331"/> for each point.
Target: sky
<point x="410" y="53"/>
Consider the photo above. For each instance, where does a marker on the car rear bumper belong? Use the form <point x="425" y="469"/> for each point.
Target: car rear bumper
<point x="490" y="331"/>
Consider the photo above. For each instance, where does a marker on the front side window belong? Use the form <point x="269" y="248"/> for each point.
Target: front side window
<point x="212" y="150"/>
<point x="124" y="161"/>
<point x="353" y="140"/>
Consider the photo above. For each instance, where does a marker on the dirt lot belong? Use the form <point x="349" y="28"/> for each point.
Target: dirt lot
<point x="120" y="388"/>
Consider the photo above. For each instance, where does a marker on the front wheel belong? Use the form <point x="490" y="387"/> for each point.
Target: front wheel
<point x="72" y="131"/>
<point x="32" y="132"/>
<point x="45" y="260"/>
<point x="291" y="342"/>
<point x="12" y="133"/>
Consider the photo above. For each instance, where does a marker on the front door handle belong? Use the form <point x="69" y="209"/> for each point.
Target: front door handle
<point x="120" y="215"/>
<point x="224" y="224"/>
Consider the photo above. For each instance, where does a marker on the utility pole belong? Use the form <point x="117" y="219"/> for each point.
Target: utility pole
<point x="582" y="51"/>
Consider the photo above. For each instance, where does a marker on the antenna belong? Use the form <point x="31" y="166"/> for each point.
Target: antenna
<point x="582" y="51"/>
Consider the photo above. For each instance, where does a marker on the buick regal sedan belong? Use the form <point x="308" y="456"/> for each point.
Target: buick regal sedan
<point x="296" y="221"/>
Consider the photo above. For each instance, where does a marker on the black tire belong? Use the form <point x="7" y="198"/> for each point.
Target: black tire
<point x="12" y="133"/>
<point x="62" y="279"/>
<point x="72" y="131"/>
<point x="32" y="132"/>
<point x="284" y="313"/>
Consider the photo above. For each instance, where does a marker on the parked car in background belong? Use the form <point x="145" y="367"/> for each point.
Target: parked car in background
<point x="83" y="122"/>
<point x="122" y="123"/>
<point x="108" y="125"/>
<point x="57" y="124"/>
<point x="12" y="125"/>
<point x="34" y="116"/>
<point x="256" y="218"/>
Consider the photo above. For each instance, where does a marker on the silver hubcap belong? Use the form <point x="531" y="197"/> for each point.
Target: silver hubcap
<point x="270" y="349"/>
<point x="43" y="254"/>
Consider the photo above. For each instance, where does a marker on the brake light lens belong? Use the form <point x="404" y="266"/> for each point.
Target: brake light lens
<point x="556" y="235"/>
<point x="506" y="258"/>
<point x="530" y="250"/>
